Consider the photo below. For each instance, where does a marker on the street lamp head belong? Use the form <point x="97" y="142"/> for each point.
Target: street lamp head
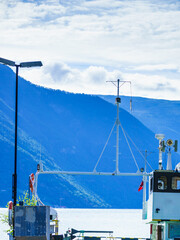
<point x="7" y="62"/>
<point x="31" y="64"/>
<point x="23" y="64"/>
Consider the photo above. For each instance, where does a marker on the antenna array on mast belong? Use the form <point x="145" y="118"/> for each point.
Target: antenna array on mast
<point x="118" y="101"/>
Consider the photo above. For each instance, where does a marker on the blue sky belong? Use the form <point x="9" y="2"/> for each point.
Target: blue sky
<point x="82" y="44"/>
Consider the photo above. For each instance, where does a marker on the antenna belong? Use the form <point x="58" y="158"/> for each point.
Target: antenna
<point x="118" y="101"/>
<point x="169" y="145"/>
<point x="40" y="164"/>
<point x="160" y="137"/>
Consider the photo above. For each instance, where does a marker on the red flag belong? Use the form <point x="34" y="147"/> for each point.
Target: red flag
<point x="141" y="186"/>
<point x="31" y="182"/>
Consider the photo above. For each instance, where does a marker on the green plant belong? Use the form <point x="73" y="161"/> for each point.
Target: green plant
<point x="27" y="201"/>
<point x="4" y="220"/>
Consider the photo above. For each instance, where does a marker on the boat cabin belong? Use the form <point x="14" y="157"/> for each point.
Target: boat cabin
<point x="164" y="195"/>
<point x="163" y="210"/>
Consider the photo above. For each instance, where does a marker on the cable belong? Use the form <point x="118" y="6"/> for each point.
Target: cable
<point x="104" y="147"/>
<point x="129" y="146"/>
<point x="138" y="150"/>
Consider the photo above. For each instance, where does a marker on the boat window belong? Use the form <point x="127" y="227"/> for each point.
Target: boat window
<point x="151" y="184"/>
<point x="176" y="183"/>
<point x="162" y="183"/>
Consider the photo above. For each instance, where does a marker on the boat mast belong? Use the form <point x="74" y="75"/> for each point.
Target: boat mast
<point x="95" y="173"/>
<point x="118" y="100"/>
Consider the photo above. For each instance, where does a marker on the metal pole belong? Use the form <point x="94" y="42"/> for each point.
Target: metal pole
<point x="117" y="129"/>
<point x="15" y="151"/>
<point x="94" y="173"/>
<point x="169" y="161"/>
<point x="144" y="212"/>
<point x="145" y="168"/>
<point x="15" y="145"/>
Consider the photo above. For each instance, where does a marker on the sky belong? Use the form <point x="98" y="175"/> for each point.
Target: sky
<point x="85" y="43"/>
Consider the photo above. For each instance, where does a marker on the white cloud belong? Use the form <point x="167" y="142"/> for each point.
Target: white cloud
<point x="58" y="72"/>
<point x="104" y="36"/>
<point x="159" y="67"/>
<point x="93" y="80"/>
<point x="60" y="76"/>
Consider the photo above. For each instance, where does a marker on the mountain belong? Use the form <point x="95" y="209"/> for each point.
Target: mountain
<point x="68" y="132"/>
<point x="160" y="116"/>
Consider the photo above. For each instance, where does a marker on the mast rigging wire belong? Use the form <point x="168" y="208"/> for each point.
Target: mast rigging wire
<point x="104" y="147"/>
<point x="138" y="150"/>
<point x="129" y="146"/>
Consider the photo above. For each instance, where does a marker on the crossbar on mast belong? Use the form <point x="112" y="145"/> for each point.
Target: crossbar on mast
<point x="95" y="173"/>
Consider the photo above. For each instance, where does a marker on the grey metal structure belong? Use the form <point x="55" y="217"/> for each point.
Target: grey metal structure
<point x="116" y="172"/>
<point x="32" y="223"/>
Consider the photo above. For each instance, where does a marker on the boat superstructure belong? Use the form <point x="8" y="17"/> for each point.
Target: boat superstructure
<point x="162" y="209"/>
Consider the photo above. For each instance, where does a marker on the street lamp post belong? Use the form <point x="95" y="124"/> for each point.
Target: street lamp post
<point x="20" y="65"/>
